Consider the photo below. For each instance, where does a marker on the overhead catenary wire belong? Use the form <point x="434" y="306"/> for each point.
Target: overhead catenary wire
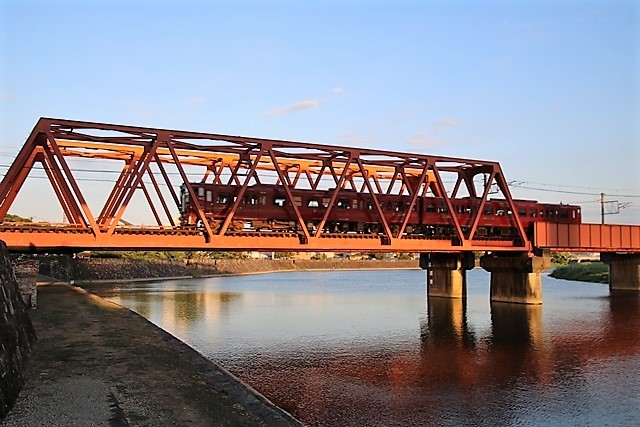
<point x="512" y="184"/>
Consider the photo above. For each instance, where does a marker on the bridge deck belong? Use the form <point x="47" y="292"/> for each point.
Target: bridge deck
<point x="29" y="238"/>
<point x="556" y="237"/>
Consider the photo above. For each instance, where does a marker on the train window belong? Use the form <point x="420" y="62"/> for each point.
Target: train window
<point x="263" y="200"/>
<point x="389" y="206"/>
<point x="414" y="209"/>
<point x="431" y="207"/>
<point x="222" y="199"/>
<point x="488" y="210"/>
<point x="279" y="201"/>
<point x="509" y="212"/>
<point x="369" y="205"/>
<point x="468" y="210"/>
<point x="250" y="200"/>
<point x="381" y="205"/>
<point x="354" y="204"/>
<point x="573" y="214"/>
<point x="564" y="213"/>
<point x="185" y="199"/>
<point x="442" y="209"/>
<point x="313" y="203"/>
<point x="399" y="207"/>
<point x="533" y="213"/>
<point x="522" y="212"/>
<point x="209" y="196"/>
<point x="500" y="212"/>
<point x="297" y="200"/>
<point x="343" y="203"/>
<point x="200" y="192"/>
<point x="325" y="202"/>
<point x="541" y="213"/>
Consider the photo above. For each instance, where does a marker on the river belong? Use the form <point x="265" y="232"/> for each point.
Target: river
<point x="356" y="348"/>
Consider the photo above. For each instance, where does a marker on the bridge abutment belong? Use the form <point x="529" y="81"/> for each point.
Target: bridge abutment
<point x="447" y="273"/>
<point x="624" y="271"/>
<point x="515" y="277"/>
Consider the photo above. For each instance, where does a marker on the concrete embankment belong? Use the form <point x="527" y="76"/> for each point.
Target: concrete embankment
<point x="101" y="269"/>
<point x="97" y="363"/>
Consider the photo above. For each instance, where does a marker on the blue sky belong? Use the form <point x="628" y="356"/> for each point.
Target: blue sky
<point x="550" y="89"/>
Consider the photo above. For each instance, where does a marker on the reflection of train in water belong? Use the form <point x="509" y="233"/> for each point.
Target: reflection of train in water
<point x="264" y="207"/>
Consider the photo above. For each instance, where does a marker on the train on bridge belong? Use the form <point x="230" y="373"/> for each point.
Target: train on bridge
<point x="266" y="208"/>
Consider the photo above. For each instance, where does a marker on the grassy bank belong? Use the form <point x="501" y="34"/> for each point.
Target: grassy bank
<point x="595" y="272"/>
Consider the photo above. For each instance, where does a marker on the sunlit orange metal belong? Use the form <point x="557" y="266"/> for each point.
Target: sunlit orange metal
<point x="146" y="154"/>
<point x="587" y="237"/>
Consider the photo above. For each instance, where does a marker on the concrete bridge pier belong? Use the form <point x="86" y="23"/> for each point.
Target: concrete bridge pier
<point x="515" y="277"/>
<point x="624" y="271"/>
<point x="447" y="273"/>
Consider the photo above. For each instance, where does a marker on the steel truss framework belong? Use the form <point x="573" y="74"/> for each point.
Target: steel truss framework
<point x="156" y="162"/>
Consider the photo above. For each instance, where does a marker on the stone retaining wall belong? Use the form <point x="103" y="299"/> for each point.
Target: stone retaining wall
<point x="16" y="334"/>
<point x="26" y="272"/>
<point x="97" y="269"/>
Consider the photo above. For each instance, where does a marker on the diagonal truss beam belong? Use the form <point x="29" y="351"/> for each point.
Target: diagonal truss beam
<point x="144" y="152"/>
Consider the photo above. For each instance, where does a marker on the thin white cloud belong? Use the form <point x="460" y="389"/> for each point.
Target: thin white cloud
<point x="292" y="108"/>
<point x="446" y="122"/>
<point x="337" y="90"/>
<point x="433" y="138"/>
<point x="426" y="139"/>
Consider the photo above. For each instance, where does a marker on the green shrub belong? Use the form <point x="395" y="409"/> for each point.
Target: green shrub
<point x="596" y="272"/>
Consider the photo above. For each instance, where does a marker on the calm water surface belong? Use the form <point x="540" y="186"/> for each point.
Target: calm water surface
<point x="368" y="348"/>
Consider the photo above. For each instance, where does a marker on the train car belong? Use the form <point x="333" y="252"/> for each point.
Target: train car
<point x="265" y="207"/>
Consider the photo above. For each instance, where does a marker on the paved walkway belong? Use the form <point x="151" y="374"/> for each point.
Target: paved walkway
<point x="98" y="364"/>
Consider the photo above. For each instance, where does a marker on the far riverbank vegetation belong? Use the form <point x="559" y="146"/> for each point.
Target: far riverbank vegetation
<point x="568" y="267"/>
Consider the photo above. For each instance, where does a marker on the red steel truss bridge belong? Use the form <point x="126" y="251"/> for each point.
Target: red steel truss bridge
<point x="163" y="168"/>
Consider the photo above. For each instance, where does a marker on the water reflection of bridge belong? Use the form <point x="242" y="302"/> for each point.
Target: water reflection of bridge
<point x="517" y="330"/>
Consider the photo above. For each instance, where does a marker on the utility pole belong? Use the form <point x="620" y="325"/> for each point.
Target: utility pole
<point x="602" y="207"/>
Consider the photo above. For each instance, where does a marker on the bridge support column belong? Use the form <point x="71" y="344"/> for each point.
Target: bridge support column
<point x="624" y="271"/>
<point x="515" y="277"/>
<point x="446" y="273"/>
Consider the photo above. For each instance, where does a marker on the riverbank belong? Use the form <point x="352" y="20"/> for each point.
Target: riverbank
<point x="82" y="270"/>
<point x="96" y="363"/>
<point x="595" y="272"/>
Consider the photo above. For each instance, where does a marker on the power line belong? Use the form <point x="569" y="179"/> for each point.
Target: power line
<point x="516" y="184"/>
<point x="511" y="184"/>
